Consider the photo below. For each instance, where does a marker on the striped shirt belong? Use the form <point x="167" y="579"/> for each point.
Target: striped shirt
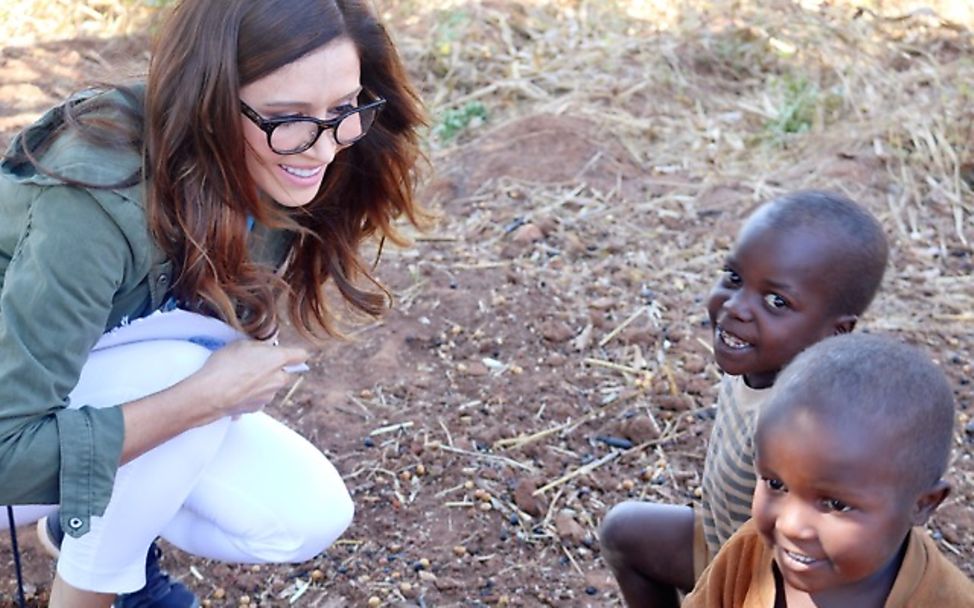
<point x="728" y="472"/>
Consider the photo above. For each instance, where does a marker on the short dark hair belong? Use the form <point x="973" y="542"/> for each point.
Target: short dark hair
<point x="874" y="382"/>
<point x="860" y="243"/>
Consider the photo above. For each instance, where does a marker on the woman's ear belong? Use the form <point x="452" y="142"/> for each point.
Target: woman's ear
<point x="928" y="502"/>
<point x="845" y="324"/>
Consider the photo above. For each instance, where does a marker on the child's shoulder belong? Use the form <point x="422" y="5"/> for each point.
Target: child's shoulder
<point x="928" y="578"/>
<point x="741" y="569"/>
<point x="734" y="393"/>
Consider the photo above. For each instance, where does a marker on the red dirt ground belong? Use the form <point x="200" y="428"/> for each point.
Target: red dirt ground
<point x="504" y="315"/>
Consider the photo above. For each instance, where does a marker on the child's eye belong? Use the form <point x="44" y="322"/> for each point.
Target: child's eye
<point x="775" y="301"/>
<point x="730" y="277"/>
<point x="836" y="506"/>
<point x="775" y="485"/>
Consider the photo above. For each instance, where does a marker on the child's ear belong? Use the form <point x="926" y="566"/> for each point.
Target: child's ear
<point x="928" y="502"/>
<point x="845" y="324"/>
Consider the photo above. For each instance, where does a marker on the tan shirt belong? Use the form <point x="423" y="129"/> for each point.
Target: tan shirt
<point x="741" y="576"/>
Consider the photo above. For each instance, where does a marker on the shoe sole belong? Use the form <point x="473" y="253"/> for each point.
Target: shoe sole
<point x="45" y="539"/>
<point x="196" y="604"/>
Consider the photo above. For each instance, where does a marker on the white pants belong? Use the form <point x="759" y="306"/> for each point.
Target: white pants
<point x="247" y="490"/>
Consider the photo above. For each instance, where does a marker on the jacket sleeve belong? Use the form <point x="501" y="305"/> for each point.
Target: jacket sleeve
<point x="55" y="299"/>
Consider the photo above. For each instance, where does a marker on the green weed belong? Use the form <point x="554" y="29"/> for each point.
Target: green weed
<point x="456" y="120"/>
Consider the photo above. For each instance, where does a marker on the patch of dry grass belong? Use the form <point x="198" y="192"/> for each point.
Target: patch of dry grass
<point x="24" y="22"/>
<point x="724" y="89"/>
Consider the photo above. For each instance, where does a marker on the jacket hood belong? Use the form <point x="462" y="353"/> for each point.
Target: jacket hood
<point x="69" y="155"/>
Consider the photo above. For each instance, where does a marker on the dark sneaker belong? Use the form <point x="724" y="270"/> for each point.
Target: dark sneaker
<point x="50" y="534"/>
<point x="160" y="591"/>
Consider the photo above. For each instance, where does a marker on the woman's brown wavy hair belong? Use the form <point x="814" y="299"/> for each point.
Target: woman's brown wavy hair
<point x="200" y="195"/>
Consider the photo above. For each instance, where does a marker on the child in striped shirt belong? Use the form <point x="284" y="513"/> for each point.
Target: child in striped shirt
<point x="804" y="267"/>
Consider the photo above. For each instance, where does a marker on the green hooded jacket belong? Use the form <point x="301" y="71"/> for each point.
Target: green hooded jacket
<point x="74" y="263"/>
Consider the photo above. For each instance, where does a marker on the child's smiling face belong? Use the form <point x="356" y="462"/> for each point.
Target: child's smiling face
<point x="831" y="504"/>
<point x="773" y="300"/>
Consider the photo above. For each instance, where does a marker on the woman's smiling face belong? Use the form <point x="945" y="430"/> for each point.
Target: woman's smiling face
<point x="323" y="84"/>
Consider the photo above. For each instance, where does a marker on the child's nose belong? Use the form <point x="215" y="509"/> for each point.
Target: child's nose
<point x="794" y="521"/>
<point x="737" y="305"/>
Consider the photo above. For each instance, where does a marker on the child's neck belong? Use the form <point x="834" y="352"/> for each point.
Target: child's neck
<point x="870" y="592"/>
<point x="760" y="381"/>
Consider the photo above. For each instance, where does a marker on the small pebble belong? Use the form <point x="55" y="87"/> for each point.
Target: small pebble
<point x="468" y="485"/>
<point x="591" y="590"/>
<point x="374" y="601"/>
<point x="405" y="476"/>
<point x="485" y="506"/>
<point x="628" y="485"/>
<point x="317" y="575"/>
<point x="420" y="469"/>
<point x="459" y="550"/>
<point x="616" y="442"/>
<point x="369" y="442"/>
<point x="244" y="600"/>
<point x="219" y="593"/>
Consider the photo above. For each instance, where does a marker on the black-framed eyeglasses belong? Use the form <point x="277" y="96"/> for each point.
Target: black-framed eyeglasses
<point x="295" y="134"/>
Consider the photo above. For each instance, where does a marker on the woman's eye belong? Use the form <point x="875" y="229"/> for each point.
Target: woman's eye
<point x="775" y="301"/>
<point x="776" y="485"/>
<point x="835" y="505"/>
<point x="343" y="109"/>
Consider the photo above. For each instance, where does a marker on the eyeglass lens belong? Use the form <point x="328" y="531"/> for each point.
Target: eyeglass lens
<point x="301" y="135"/>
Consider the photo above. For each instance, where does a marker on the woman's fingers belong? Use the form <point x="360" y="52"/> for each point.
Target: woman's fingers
<point x="245" y="376"/>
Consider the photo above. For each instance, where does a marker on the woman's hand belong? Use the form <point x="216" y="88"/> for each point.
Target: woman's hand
<point x="244" y="376"/>
<point x="236" y="379"/>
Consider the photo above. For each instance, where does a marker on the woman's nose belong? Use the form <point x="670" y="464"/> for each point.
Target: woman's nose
<point x="325" y="148"/>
